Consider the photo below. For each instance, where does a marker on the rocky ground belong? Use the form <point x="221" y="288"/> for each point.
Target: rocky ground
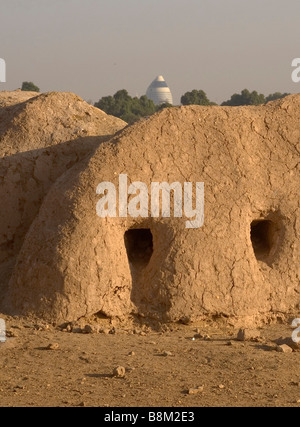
<point x="107" y="365"/>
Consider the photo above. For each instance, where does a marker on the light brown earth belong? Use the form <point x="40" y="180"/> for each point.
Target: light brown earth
<point x="9" y="98"/>
<point x="80" y="371"/>
<point x="72" y="264"/>
<point x="41" y="137"/>
<point x="243" y="263"/>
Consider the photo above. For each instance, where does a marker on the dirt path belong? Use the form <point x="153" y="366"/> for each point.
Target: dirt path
<point x="160" y="368"/>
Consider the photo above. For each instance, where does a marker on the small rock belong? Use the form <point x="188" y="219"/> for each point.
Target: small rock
<point x="221" y="387"/>
<point x="53" y="347"/>
<point x="196" y="390"/>
<point x="89" y="329"/>
<point x="16" y="327"/>
<point x="284" y="349"/>
<point x="198" y="336"/>
<point x="11" y="334"/>
<point x="289" y="342"/>
<point x="295" y="384"/>
<point x="248" y="334"/>
<point x="119" y="372"/>
<point x="19" y="387"/>
<point x="167" y="354"/>
<point x="204" y="337"/>
<point x="186" y="320"/>
<point x="132" y="353"/>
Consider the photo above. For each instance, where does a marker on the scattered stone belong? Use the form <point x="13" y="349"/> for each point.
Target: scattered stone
<point x="289" y="342"/>
<point x="284" y="349"/>
<point x="16" y="327"/>
<point x="197" y="390"/>
<point x="77" y="330"/>
<point x="221" y="387"/>
<point x="167" y="354"/>
<point x="119" y="372"/>
<point x="186" y="320"/>
<point x="53" y="347"/>
<point x="204" y="337"/>
<point x="20" y="387"/>
<point x="90" y="329"/>
<point x="248" y="334"/>
<point x="132" y="353"/>
<point x="11" y="334"/>
<point x="295" y="384"/>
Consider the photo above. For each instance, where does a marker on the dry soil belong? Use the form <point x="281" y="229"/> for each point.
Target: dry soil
<point x="162" y="364"/>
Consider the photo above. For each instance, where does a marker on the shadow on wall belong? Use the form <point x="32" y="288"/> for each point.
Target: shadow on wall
<point x="148" y="246"/>
<point x="267" y="235"/>
<point x="25" y="180"/>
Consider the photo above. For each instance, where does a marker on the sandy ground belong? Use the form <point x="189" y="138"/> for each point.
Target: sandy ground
<point x="161" y="364"/>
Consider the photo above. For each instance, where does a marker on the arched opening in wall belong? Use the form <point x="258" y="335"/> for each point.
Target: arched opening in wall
<point x="139" y="246"/>
<point x="265" y="237"/>
<point x="149" y="250"/>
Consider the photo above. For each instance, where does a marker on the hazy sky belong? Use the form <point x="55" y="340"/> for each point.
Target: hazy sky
<point x="96" y="47"/>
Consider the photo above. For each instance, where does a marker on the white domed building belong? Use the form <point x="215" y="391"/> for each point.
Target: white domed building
<point x="159" y="92"/>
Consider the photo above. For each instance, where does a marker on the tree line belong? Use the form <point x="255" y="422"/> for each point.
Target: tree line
<point x="130" y="109"/>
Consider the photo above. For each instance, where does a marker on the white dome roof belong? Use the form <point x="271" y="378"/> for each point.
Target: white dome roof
<point x="159" y="91"/>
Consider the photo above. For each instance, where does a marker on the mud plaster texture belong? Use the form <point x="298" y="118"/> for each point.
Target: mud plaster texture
<point x="41" y="137"/>
<point x="242" y="264"/>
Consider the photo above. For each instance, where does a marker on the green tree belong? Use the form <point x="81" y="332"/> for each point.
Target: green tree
<point x="196" y="97"/>
<point x="30" y="87"/>
<point x="275" y="96"/>
<point x="125" y="107"/>
<point x="245" y="98"/>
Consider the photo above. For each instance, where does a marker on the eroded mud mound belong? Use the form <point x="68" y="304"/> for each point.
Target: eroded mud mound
<point x="242" y="264"/>
<point x="8" y="98"/>
<point x="50" y="119"/>
<point x="69" y="128"/>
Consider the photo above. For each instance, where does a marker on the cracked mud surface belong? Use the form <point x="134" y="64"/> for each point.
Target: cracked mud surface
<point x="243" y="263"/>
